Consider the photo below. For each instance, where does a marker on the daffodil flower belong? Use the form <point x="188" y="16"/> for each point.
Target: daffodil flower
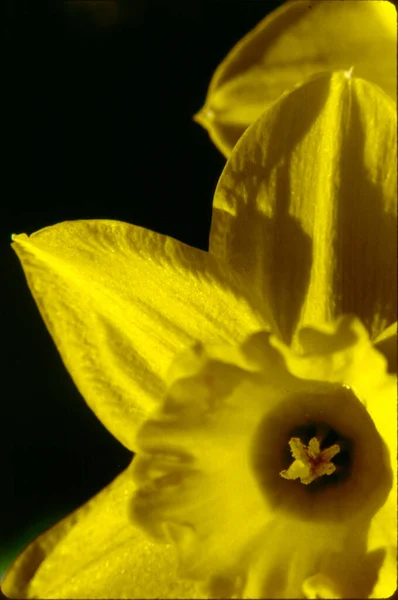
<point x="299" y="39"/>
<point x="256" y="383"/>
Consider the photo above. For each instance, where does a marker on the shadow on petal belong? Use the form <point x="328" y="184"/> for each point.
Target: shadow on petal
<point x="366" y="249"/>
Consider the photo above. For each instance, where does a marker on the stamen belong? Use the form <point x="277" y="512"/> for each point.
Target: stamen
<point x="310" y="461"/>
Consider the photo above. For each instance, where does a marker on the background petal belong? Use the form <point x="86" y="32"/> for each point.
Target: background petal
<point x="292" y="43"/>
<point x="305" y="208"/>
<point x="96" y="552"/>
<point x="120" y="301"/>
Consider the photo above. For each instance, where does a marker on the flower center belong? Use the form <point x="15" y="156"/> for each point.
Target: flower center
<point x="327" y="434"/>
<point x="310" y="461"/>
<point x="318" y="449"/>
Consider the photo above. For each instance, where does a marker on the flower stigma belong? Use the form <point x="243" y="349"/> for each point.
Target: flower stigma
<point x="310" y="461"/>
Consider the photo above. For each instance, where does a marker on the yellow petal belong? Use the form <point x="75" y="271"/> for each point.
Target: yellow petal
<point x="97" y="553"/>
<point x="306" y="205"/>
<point x="294" y="42"/>
<point x="119" y="302"/>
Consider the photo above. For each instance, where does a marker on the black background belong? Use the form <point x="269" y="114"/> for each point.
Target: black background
<point x="97" y="123"/>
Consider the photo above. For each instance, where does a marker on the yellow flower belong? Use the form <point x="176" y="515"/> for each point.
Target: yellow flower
<point x="209" y="463"/>
<point x="298" y="40"/>
<point x="210" y="366"/>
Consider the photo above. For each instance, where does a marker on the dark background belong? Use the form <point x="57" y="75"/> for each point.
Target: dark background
<point x="97" y="124"/>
